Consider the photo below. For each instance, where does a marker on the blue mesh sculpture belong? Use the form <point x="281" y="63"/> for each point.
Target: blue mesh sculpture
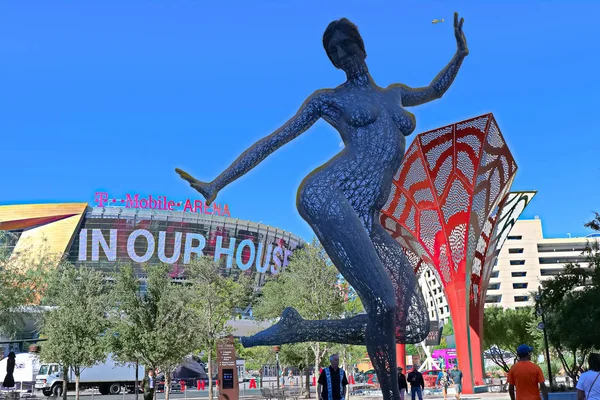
<point x="342" y="201"/>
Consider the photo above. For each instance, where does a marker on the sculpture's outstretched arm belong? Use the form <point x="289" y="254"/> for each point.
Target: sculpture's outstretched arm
<point x="440" y="84"/>
<point x="306" y="116"/>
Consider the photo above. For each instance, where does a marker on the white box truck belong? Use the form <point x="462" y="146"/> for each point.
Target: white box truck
<point x="108" y="377"/>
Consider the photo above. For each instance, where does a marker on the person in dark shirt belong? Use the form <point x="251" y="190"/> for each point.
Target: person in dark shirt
<point x="402" y="385"/>
<point x="332" y="381"/>
<point x="417" y="383"/>
<point x="457" y="376"/>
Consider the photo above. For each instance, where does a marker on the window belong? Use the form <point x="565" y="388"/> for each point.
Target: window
<point x="563" y="260"/>
<point x="517" y="262"/>
<point x="550" y="272"/>
<point x="495" y="274"/>
<point x="494" y="286"/>
<point x="515" y="251"/>
<point x="553" y="247"/>
<point x="519" y="285"/>
<point x="494" y="298"/>
<point x="520" y="299"/>
<point x="519" y="274"/>
<point x="515" y="237"/>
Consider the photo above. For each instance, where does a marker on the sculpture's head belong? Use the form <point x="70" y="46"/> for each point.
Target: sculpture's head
<point x="344" y="45"/>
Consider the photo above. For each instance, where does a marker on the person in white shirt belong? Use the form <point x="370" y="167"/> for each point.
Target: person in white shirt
<point x="588" y="386"/>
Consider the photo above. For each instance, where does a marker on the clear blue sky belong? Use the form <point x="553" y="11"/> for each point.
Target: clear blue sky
<point x="113" y="95"/>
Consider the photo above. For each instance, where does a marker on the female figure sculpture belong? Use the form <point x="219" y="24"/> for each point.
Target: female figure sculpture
<point x="342" y="201"/>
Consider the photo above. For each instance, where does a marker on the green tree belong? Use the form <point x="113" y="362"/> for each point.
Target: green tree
<point x="505" y="330"/>
<point x="22" y="283"/>
<point x="310" y="284"/>
<point x="217" y="296"/>
<point x="77" y="322"/>
<point x="447" y="330"/>
<point x="570" y="302"/>
<point x="155" y="327"/>
<point x="256" y="358"/>
<point x="299" y="355"/>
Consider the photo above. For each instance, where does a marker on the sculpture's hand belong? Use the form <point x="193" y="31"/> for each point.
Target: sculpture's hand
<point x="461" y="41"/>
<point x="206" y="189"/>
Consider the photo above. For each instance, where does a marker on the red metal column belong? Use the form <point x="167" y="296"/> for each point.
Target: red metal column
<point x="401" y="356"/>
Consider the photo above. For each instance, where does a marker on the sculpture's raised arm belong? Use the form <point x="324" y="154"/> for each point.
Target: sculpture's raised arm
<point x="440" y="84"/>
<point x="306" y="116"/>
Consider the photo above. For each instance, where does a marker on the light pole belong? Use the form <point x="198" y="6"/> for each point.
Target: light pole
<point x="276" y="350"/>
<point x="540" y="311"/>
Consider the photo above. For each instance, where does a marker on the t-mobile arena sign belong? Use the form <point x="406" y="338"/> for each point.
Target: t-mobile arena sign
<point x="101" y="199"/>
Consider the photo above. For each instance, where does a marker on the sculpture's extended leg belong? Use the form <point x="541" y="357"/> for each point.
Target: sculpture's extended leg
<point x="412" y="322"/>
<point x="292" y="328"/>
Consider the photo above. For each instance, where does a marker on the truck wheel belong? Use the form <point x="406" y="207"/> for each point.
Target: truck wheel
<point x="104" y="389"/>
<point x="114" y="388"/>
<point x="57" y="390"/>
<point x="47" y="392"/>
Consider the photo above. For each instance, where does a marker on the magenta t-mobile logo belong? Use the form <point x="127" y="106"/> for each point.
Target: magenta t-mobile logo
<point x="101" y="198"/>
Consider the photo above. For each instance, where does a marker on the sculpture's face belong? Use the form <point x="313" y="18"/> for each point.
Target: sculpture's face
<point x="344" y="52"/>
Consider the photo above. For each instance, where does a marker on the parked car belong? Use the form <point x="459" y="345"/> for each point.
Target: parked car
<point x="430" y="376"/>
<point x="160" y="386"/>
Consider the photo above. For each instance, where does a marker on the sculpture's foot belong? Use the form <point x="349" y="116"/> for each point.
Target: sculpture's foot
<point x="286" y="328"/>
<point x="202" y="187"/>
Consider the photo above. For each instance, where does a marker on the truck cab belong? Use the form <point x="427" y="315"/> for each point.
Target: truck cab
<point x="49" y="380"/>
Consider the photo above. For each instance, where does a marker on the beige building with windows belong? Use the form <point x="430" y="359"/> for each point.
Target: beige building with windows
<point x="526" y="259"/>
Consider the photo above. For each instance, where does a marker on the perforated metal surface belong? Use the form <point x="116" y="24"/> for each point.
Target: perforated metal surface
<point x="469" y="169"/>
<point x="343" y="199"/>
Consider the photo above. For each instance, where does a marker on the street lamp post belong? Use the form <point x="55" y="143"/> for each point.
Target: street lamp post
<point x="276" y="350"/>
<point x="540" y="311"/>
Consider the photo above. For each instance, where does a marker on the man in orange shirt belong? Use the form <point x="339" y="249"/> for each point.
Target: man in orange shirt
<point x="525" y="376"/>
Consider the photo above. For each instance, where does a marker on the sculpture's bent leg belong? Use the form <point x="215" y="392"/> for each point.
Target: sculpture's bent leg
<point x="292" y="328"/>
<point x="349" y="247"/>
<point x="412" y="320"/>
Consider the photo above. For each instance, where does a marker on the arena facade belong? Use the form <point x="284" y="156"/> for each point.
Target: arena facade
<point x="146" y="230"/>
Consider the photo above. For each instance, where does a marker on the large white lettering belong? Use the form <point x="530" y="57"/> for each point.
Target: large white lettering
<point x="220" y="250"/>
<point x="83" y="245"/>
<point x="240" y="252"/>
<point x="190" y="248"/>
<point x="276" y="267"/>
<point x="265" y="266"/>
<point x="176" y="248"/>
<point x="131" y="245"/>
<point x="265" y="257"/>
<point x="99" y="240"/>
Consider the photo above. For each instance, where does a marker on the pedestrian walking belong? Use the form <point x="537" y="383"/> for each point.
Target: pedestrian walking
<point x="332" y="381"/>
<point x="443" y="381"/>
<point x="417" y="383"/>
<point x="526" y="377"/>
<point x="456" y="376"/>
<point x="588" y="386"/>
<point x="148" y="384"/>
<point x="402" y="384"/>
